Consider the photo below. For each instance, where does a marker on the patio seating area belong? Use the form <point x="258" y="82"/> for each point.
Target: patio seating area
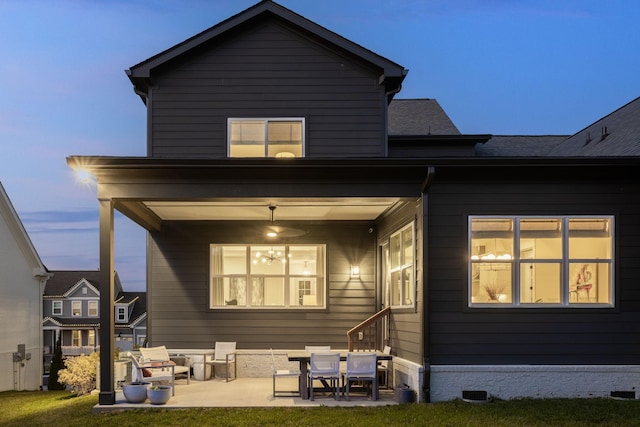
<point x="243" y="392"/>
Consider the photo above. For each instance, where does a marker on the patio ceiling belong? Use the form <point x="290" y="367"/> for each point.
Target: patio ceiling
<point x="324" y="209"/>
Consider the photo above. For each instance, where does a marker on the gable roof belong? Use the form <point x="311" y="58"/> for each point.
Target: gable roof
<point x="10" y="217"/>
<point x="419" y="117"/>
<point x="616" y="134"/>
<point x="139" y="312"/>
<point x="519" y="145"/>
<point x="140" y="74"/>
<point x="64" y="281"/>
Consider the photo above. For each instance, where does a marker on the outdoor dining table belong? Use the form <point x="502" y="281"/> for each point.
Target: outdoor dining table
<point x="304" y="358"/>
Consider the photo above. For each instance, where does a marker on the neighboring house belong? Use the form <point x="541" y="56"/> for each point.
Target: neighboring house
<point x="288" y="197"/>
<point x="22" y="280"/>
<point x="71" y="307"/>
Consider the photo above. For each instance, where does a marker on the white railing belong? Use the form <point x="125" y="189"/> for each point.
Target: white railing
<point x="69" y="350"/>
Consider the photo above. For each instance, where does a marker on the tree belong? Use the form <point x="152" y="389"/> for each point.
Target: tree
<point x="56" y="365"/>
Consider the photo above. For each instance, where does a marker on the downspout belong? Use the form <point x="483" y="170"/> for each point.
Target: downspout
<point x="387" y="100"/>
<point x="426" y="359"/>
<point x="41" y="275"/>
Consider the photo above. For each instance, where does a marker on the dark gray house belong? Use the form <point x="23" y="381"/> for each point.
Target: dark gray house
<point x="289" y="196"/>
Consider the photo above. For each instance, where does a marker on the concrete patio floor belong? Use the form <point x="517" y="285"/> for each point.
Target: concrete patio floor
<point x="244" y="393"/>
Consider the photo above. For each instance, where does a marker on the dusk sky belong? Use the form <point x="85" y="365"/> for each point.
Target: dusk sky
<point x="503" y="67"/>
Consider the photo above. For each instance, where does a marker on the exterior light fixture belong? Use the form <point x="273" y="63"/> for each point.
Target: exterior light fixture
<point x="355" y="270"/>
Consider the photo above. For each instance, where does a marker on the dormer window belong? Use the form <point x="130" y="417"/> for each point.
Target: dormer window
<point x="276" y="137"/>
<point x="121" y="314"/>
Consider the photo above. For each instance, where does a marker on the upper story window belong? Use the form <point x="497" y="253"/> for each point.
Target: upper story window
<point x="401" y="267"/>
<point x="56" y="308"/>
<point x="76" y="308"/>
<point x="93" y="308"/>
<point x="273" y="137"/>
<point x="260" y="277"/>
<point x="121" y="314"/>
<point x="541" y="261"/>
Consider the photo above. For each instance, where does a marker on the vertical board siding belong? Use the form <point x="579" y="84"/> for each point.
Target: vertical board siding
<point x="179" y="282"/>
<point x="268" y="71"/>
<point x="462" y="335"/>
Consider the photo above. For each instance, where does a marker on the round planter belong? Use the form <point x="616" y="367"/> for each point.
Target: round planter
<point x="159" y="395"/>
<point x="135" y="392"/>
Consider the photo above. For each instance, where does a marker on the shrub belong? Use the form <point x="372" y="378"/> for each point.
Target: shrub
<point x="80" y="373"/>
<point x="57" y="364"/>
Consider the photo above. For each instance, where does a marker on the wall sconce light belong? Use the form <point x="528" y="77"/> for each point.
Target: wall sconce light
<point x="355" y="270"/>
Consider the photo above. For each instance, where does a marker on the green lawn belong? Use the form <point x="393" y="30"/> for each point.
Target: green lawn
<point x="59" y="408"/>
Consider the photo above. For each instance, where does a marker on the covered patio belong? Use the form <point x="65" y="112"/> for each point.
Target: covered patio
<point x="244" y="393"/>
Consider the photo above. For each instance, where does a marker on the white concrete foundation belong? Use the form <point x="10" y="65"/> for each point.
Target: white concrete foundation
<point x="532" y="381"/>
<point x="407" y="373"/>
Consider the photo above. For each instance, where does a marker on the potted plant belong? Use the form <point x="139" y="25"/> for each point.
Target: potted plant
<point x="135" y="392"/>
<point x="159" y="394"/>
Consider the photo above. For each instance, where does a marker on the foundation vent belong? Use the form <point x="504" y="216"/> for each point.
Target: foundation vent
<point x="476" y="396"/>
<point x="623" y="394"/>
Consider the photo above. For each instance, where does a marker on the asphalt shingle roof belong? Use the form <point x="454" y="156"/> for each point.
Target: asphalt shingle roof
<point x="519" y="145"/>
<point x="617" y="134"/>
<point x="419" y="117"/>
<point x="62" y="281"/>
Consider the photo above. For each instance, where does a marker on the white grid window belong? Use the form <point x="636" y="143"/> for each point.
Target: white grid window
<point x="273" y="137"/>
<point x="561" y="261"/>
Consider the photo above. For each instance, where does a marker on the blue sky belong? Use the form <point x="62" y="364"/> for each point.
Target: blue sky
<point x="525" y="67"/>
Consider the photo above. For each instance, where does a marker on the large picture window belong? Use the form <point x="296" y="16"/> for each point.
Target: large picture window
<point x="541" y="261"/>
<point x="267" y="276"/>
<point x="401" y="267"/>
<point x="277" y="137"/>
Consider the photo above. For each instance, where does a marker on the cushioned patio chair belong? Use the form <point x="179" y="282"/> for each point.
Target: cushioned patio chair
<point x="156" y="365"/>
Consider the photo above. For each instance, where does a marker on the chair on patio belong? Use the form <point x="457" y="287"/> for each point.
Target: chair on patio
<point x="224" y="353"/>
<point x="383" y="367"/>
<point x="316" y="348"/>
<point x="361" y="367"/>
<point x="325" y="367"/>
<point x="284" y="373"/>
<point x="156" y="365"/>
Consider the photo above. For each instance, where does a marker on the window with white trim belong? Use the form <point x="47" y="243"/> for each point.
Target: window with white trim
<point x="56" y="308"/>
<point x="91" y="338"/>
<point x="535" y="261"/>
<point x="261" y="137"/>
<point x="76" y="308"/>
<point x="267" y="277"/>
<point x="402" y="267"/>
<point x="121" y="313"/>
<point x="93" y="308"/>
<point x="76" y="338"/>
